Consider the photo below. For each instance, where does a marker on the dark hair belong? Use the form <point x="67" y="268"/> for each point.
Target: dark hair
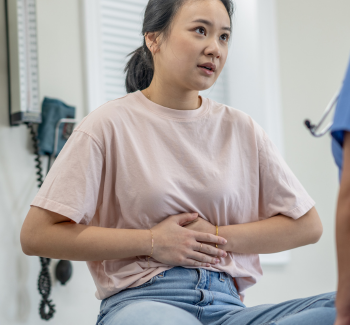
<point x="159" y="15"/>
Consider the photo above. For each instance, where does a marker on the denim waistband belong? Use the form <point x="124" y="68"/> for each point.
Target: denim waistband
<point x="181" y="286"/>
<point x="211" y="298"/>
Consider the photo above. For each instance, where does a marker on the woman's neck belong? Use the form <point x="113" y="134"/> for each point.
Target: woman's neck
<point x="173" y="98"/>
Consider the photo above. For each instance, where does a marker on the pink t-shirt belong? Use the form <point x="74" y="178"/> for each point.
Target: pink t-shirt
<point x="131" y="163"/>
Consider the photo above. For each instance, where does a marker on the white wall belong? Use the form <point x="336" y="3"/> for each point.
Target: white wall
<point x="61" y="76"/>
<point x="314" y="49"/>
<point x="253" y="65"/>
<point x="254" y="77"/>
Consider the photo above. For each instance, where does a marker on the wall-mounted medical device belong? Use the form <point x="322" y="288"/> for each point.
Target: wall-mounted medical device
<point x="24" y="101"/>
<point x="50" y="124"/>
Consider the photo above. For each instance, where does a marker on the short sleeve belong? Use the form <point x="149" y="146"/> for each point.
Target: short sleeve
<point x="73" y="185"/>
<point x="341" y="122"/>
<point x="280" y="192"/>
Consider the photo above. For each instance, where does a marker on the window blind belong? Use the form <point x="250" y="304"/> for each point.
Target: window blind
<point x="121" y="23"/>
<point x="120" y="33"/>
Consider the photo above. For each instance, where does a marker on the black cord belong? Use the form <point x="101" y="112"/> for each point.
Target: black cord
<point x="35" y="140"/>
<point x="44" y="281"/>
<point x="44" y="287"/>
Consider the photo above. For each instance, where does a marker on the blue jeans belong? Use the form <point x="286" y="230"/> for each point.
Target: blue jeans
<point x="182" y="296"/>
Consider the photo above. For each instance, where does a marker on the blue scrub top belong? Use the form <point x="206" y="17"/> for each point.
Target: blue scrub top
<point x="341" y="122"/>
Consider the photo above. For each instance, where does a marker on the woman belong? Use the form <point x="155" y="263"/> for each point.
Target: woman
<point x="169" y="196"/>
<point x="341" y="151"/>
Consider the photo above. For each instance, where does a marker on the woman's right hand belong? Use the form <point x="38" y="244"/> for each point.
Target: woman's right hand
<point x="178" y="246"/>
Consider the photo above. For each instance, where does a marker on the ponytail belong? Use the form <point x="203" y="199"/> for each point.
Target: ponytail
<point x="140" y="69"/>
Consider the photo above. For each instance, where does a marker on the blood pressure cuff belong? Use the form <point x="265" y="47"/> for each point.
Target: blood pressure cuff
<point x="52" y="111"/>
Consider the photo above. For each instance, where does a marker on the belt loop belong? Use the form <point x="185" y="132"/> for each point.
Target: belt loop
<point x="222" y="276"/>
<point x="201" y="278"/>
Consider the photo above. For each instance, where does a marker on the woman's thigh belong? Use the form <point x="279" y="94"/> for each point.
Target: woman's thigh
<point x="149" y="313"/>
<point x="315" y="310"/>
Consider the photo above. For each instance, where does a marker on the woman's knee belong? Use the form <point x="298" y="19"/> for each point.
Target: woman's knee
<point x="316" y="316"/>
<point x="324" y="300"/>
<point x="152" y="313"/>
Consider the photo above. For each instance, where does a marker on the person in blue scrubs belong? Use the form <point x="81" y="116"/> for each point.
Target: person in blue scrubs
<point x="340" y="132"/>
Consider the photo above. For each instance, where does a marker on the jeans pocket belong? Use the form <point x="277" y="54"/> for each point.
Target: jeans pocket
<point x="146" y="284"/>
<point x="149" y="282"/>
<point x="231" y="286"/>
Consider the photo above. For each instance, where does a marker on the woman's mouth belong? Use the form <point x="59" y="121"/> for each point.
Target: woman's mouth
<point x="206" y="70"/>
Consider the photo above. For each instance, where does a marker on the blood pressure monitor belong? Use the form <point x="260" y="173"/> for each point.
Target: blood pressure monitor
<point x="23" y="74"/>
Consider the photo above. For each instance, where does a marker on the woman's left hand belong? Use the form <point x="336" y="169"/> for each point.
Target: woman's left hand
<point x="201" y="225"/>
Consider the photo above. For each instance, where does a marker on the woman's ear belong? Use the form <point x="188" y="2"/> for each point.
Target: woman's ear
<point x="153" y="42"/>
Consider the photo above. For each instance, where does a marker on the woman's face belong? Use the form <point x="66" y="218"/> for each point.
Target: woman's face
<point x="199" y="34"/>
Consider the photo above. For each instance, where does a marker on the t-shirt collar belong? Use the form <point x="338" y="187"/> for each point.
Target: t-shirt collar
<point x="171" y="113"/>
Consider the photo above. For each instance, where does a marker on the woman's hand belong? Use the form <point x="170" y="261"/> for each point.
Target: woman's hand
<point x="179" y="246"/>
<point x="201" y="225"/>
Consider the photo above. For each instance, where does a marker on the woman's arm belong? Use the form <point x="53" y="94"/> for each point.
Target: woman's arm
<point x="275" y="234"/>
<point x="48" y="234"/>
<point x="343" y="238"/>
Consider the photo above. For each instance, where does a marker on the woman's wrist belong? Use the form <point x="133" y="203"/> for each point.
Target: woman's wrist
<point x="223" y="232"/>
<point x="144" y="242"/>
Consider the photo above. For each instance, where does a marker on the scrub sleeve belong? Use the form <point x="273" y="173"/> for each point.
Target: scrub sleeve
<point x="341" y="122"/>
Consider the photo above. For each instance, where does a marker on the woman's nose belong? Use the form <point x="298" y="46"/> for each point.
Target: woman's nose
<point x="213" y="49"/>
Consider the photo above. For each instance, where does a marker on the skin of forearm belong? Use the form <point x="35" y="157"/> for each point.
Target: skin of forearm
<point x="276" y="234"/>
<point x="343" y="255"/>
<point x="76" y="242"/>
<point x="343" y="235"/>
<point x="49" y="234"/>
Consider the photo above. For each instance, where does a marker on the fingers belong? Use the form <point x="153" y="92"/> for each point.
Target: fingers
<point x="209" y="238"/>
<point x="190" y="262"/>
<point x="203" y="258"/>
<point x="184" y="218"/>
<point x="189" y="222"/>
<point x="210" y="250"/>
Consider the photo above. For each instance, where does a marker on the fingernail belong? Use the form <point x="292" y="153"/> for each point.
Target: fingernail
<point x="217" y="261"/>
<point x="194" y="214"/>
<point x="224" y="241"/>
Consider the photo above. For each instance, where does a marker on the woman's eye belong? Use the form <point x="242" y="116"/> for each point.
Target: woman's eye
<point x="226" y="37"/>
<point x="200" y="28"/>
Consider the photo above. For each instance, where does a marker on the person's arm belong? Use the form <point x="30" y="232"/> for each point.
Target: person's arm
<point x="275" y="234"/>
<point x="48" y="234"/>
<point x="343" y="239"/>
